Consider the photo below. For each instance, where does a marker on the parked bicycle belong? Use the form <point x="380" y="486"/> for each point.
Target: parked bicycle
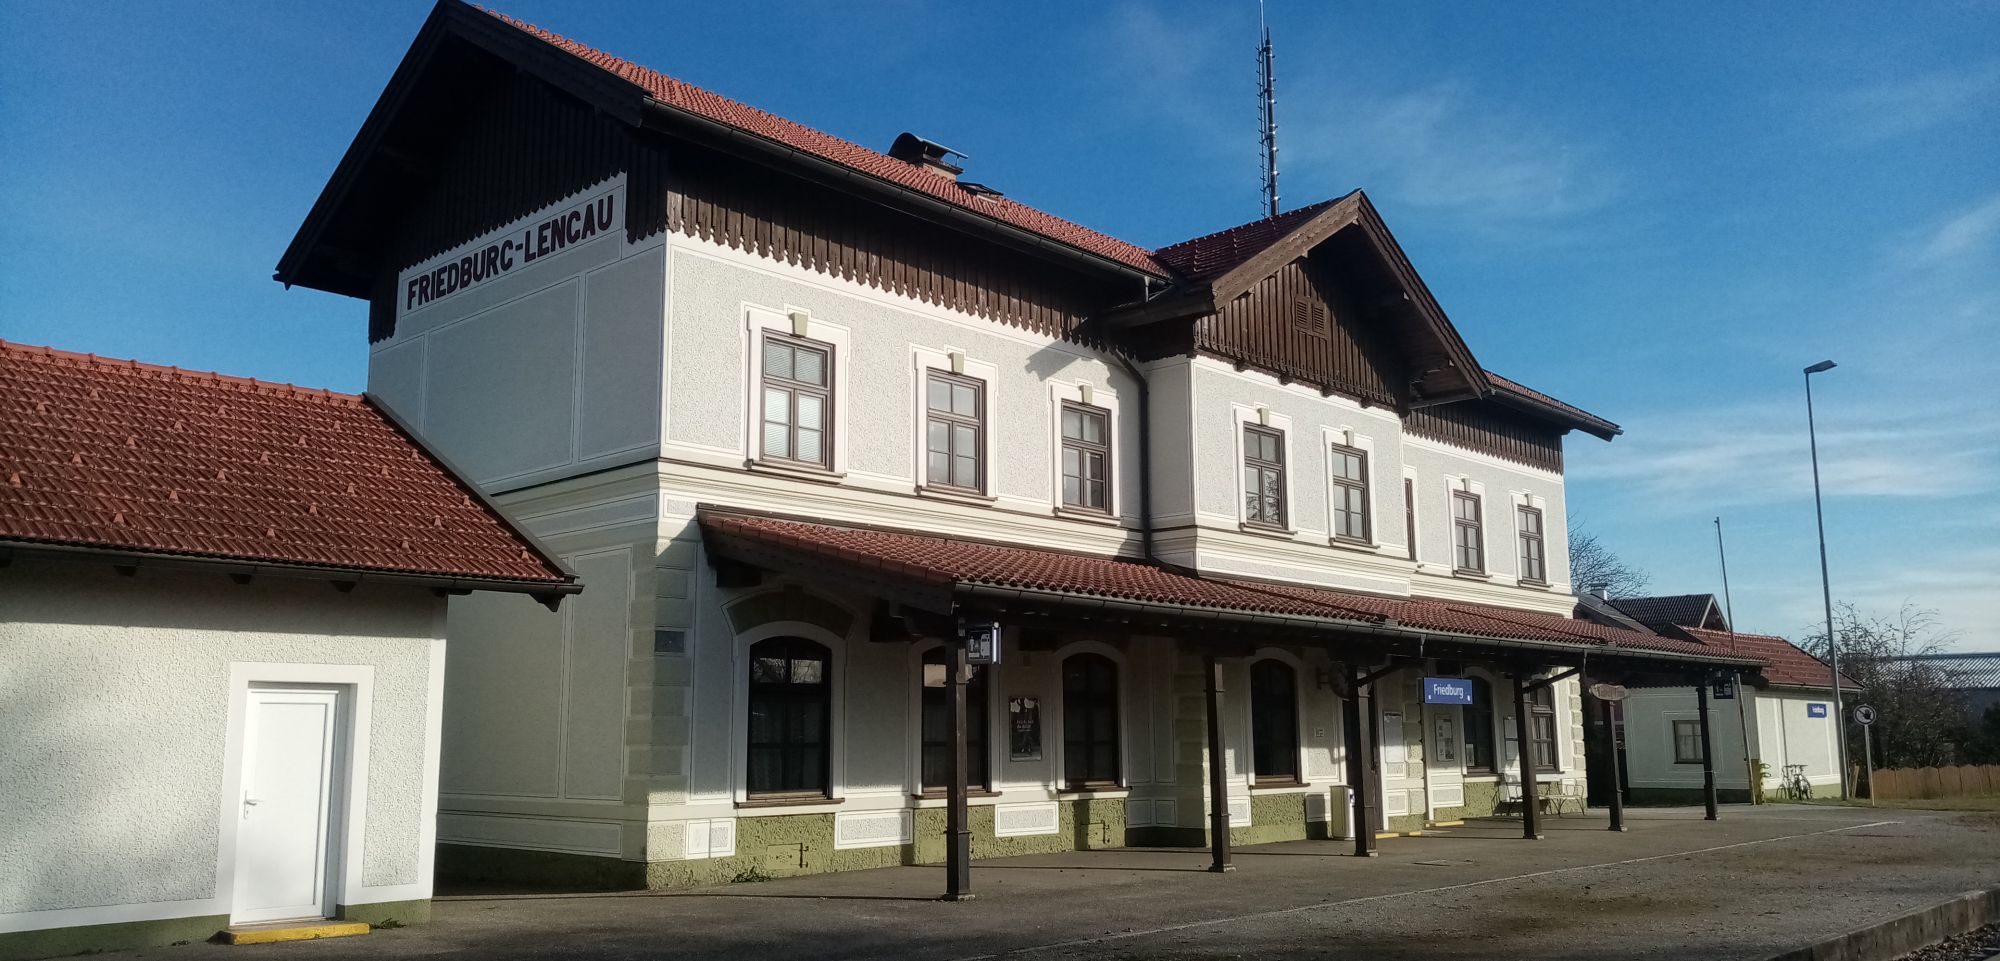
<point x="1797" y="788"/>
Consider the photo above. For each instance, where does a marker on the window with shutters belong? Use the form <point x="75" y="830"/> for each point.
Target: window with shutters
<point x="1350" y="494"/>
<point x="1309" y="317"/>
<point x="1086" y="457"/>
<point x="797" y="402"/>
<point x="955" y="432"/>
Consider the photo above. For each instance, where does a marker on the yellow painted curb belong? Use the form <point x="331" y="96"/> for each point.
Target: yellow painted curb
<point x="310" y="931"/>
<point x="1447" y="824"/>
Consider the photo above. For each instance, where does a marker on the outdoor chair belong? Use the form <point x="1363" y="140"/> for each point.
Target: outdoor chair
<point x="1560" y="794"/>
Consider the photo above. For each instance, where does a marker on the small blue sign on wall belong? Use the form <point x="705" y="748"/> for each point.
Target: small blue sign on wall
<point x="1447" y="690"/>
<point x="1815" y="710"/>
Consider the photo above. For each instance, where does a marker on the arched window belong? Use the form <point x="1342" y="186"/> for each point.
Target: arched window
<point x="1274" y="721"/>
<point x="936" y="677"/>
<point x="1090" y="721"/>
<point x="1480" y="747"/>
<point x="791" y="685"/>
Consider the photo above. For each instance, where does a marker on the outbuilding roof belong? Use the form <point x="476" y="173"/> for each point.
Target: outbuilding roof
<point x="142" y="460"/>
<point x="1785" y="663"/>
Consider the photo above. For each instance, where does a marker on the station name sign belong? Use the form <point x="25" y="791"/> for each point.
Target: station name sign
<point x="1447" y="690"/>
<point x="513" y="247"/>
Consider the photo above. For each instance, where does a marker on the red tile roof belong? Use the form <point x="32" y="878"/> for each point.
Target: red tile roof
<point x="702" y="103"/>
<point x="125" y="456"/>
<point x="944" y="561"/>
<point x="1784" y="662"/>
<point x="1210" y="256"/>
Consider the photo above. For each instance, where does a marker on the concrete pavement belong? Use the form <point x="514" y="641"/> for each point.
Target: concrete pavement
<point x="1760" y="881"/>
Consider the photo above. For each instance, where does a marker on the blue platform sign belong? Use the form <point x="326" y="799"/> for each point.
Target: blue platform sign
<point x="1447" y="690"/>
<point x="1815" y="710"/>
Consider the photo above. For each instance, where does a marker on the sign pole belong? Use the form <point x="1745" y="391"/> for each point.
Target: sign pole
<point x="958" y="833"/>
<point x="1617" y="788"/>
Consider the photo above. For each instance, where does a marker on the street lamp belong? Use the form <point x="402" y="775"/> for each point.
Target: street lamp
<point x="1826" y="585"/>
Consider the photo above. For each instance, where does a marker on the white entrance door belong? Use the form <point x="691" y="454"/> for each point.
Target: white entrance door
<point x="291" y="747"/>
<point x="1444" y="764"/>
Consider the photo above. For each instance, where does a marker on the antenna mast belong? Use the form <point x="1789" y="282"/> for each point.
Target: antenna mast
<point x="1267" y="114"/>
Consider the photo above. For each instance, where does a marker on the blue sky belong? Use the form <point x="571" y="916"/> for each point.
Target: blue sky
<point x="1658" y="213"/>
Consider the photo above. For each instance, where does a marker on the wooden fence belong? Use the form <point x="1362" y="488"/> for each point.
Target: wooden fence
<point x="1967" y="780"/>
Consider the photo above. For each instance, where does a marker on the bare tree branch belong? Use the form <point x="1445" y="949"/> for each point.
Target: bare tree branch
<point x="1592" y="564"/>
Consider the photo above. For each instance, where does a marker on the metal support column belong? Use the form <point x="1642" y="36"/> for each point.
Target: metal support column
<point x="1617" y="786"/>
<point x="958" y="830"/>
<point x="1218" y="769"/>
<point x="1707" y="752"/>
<point x="1359" y="742"/>
<point x="1524" y="747"/>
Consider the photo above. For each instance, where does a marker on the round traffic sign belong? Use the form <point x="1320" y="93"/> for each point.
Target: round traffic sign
<point x="1863" y="714"/>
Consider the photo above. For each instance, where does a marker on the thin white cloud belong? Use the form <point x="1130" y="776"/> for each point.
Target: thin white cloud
<point x="1448" y="147"/>
<point x="1883" y="112"/>
<point x="1964" y="235"/>
<point x="1755" y="453"/>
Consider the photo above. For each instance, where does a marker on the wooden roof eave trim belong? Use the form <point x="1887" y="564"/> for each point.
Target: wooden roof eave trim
<point x="669" y="119"/>
<point x="1595" y="426"/>
<point x="608" y="93"/>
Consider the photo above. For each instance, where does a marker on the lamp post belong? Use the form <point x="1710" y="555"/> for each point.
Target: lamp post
<point x="1826" y="585"/>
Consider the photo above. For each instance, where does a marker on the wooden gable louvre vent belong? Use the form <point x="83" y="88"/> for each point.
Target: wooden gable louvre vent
<point x="1309" y="317"/>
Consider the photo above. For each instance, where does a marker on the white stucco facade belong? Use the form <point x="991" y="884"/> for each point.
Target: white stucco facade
<point x="614" y="729"/>
<point x="1783" y="731"/>
<point x="121" y="723"/>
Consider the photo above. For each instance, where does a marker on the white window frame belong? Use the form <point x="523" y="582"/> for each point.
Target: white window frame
<point x="1248" y="721"/>
<point x="1242" y="415"/>
<point x="954" y="360"/>
<point x="1454" y="486"/>
<point x="1103" y="398"/>
<point x="739" y="698"/>
<point x="1057" y="746"/>
<point x="996" y="729"/>
<point x="759" y="319"/>
<point x="1345" y="436"/>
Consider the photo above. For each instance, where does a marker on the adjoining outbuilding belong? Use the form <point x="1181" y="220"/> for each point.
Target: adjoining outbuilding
<point x="222" y="610"/>
<point x="1787" y="708"/>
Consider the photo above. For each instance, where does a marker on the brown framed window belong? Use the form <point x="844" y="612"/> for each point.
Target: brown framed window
<point x="1469" y="553"/>
<point x="797" y="402"/>
<point x="1350" y="494"/>
<point x="1263" y="476"/>
<point x="1480" y="742"/>
<point x="1542" y="728"/>
<point x="791" y="704"/>
<point x="936" y="697"/>
<point x="955" y="432"/>
<point x="1534" y="564"/>
<point x="1687" y="742"/>
<point x="1090" y="721"/>
<point x="1274" y="721"/>
<point x="1086" y="457"/>
<point x="1410" y="515"/>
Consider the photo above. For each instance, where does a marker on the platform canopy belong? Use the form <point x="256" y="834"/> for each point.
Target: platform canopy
<point x="924" y="581"/>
